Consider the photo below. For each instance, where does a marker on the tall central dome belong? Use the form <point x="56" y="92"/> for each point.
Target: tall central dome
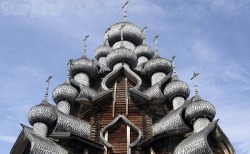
<point x="131" y="33"/>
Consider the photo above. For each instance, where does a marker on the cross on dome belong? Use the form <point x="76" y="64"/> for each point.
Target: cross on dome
<point x="156" y="44"/>
<point x="47" y="88"/>
<point x="144" y="33"/>
<point x="125" y="10"/>
<point x="69" y="67"/>
<point x="172" y="61"/>
<point x="121" y="30"/>
<point x="85" y="45"/>
<point x="195" y="82"/>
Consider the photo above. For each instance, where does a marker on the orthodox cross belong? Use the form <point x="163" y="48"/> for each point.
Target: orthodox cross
<point x="195" y="82"/>
<point x="125" y="10"/>
<point x="156" y="44"/>
<point x="69" y="67"/>
<point x="121" y="30"/>
<point x="172" y="61"/>
<point x="47" y="88"/>
<point x="85" y="45"/>
<point x="144" y="33"/>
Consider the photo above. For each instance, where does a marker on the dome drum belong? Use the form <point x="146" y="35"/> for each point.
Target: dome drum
<point x="157" y="77"/>
<point x="40" y="129"/>
<point x="64" y="106"/>
<point x="141" y="60"/>
<point x="200" y="124"/>
<point x="82" y="78"/>
<point x="178" y="102"/>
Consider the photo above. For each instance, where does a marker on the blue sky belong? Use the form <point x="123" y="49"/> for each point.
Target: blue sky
<point x="37" y="38"/>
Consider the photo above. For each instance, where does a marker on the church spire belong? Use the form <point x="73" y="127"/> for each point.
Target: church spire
<point x="47" y="89"/>
<point x="144" y="34"/>
<point x="125" y="10"/>
<point x="121" y="30"/>
<point x="195" y="82"/>
<point x="156" y="45"/>
<point x="85" y="46"/>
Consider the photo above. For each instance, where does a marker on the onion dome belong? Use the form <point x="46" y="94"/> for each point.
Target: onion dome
<point x="199" y="108"/>
<point x="121" y="55"/>
<point x="126" y="44"/>
<point x="43" y="112"/>
<point x="144" y="50"/>
<point x="176" y="88"/>
<point x="64" y="91"/>
<point x="102" y="51"/>
<point x="84" y="65"/>
<point x="158" y="65"/>
<point x="131" y="33"/>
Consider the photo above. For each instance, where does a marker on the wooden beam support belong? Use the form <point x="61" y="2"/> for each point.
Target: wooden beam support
<point x="126" y="90"/>
<point x="128" y="140"/>
<point x="114" y="99"/>
<point x="106" y="138"/>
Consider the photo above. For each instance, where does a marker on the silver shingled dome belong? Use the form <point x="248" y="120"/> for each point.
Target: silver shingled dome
<point x="44" y="113"/>
<point x="102" y="51"/>
<point x="158" y="65"/>
<point x="121" y="55"/>
<point x="199" y="108"/>
<point x="126" y="44"/>
<point x="176" y="88"/>
<point x="131" y="33"/>
<point x="64" y="92"/>
<point x="144" y="50"/>
<point x="84" y="65"/>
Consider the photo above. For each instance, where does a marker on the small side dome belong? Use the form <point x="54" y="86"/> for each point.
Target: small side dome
<point x="199" y="108"/>
<point x="44" y="113"/>
<point x="144" y="50"/>
<point x="158" y="65"/>
<point x="131" y="33"/>
<point x="84" y="65"/>
<point x="176" y="88"/>
<point x="102" y="51"/>
<point x="65" y="92"/>
<point x="121" y="55"/>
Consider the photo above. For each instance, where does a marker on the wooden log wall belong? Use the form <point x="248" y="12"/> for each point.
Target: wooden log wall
<point x="108" y="109"/>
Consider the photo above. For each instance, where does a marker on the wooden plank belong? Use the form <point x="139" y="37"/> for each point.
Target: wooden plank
<point x="114" y="96"/>
<point x="128" y="140"/>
